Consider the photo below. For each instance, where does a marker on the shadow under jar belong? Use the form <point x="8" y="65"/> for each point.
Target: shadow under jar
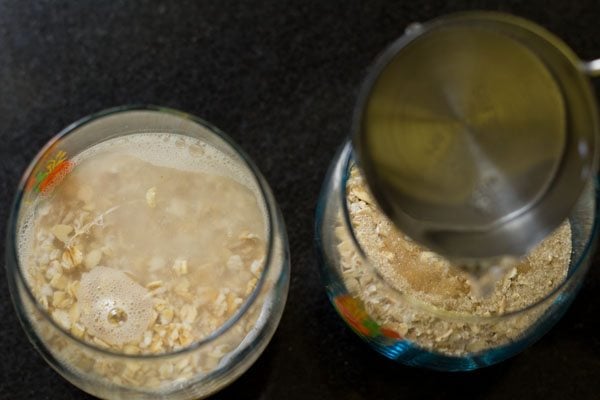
<point x="146" y="256"/>
<point x="411" y="306"/>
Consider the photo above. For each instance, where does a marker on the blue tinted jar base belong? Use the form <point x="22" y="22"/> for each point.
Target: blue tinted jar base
<point x="407" y="353"/>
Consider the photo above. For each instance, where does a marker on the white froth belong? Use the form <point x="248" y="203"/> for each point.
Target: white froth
<point x="26" y="237"/>
<point x="179" y="152"/>
<point x="104" y="289"/>
<point x="25" y="234"/>
<point x="174" y="151"/>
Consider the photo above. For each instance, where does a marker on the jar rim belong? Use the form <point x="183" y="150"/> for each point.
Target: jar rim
<point x="14" y="267"/>
<point x="347" y="160"/>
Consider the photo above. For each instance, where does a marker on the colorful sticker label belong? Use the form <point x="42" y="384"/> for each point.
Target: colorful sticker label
<point x="46" y="179"/>
<point x="355" y="314"/>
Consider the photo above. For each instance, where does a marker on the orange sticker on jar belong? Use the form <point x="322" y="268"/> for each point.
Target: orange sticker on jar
<point x="355" y="314"/>
<point x="44" y="181"/>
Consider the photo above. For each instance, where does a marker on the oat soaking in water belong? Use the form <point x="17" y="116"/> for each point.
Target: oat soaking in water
<point x="120" y="253"/>
<point x="146" y="256"/>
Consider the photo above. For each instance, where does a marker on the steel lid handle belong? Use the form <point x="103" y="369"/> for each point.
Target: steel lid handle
<point x="592" y="68"/>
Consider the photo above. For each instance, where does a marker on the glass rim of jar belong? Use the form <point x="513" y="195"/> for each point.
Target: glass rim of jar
<point x="347" y="157"/>
<point x="14" y="267"/>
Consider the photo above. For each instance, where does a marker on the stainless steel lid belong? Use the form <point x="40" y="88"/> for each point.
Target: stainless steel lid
<point x="476" y="133"/>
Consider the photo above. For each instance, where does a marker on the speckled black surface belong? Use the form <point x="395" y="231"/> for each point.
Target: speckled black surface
<point x="280" y="77"/>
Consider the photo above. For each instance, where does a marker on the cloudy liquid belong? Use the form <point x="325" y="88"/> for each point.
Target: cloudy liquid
<point x="149" y="234"/>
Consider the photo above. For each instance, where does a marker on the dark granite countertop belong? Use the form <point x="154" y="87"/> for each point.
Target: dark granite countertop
<point x="280" y="77"/>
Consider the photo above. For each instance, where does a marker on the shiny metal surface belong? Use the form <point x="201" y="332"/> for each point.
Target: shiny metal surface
<point x="477" y="133"/>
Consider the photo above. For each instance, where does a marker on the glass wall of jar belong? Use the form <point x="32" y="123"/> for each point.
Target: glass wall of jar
<point x="401" y="325"/>
<point x="191" y="368"/>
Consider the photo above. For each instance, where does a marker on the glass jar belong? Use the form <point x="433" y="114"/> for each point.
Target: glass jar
<point x="193" y="371"/>
<point x="479" y="340"/>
